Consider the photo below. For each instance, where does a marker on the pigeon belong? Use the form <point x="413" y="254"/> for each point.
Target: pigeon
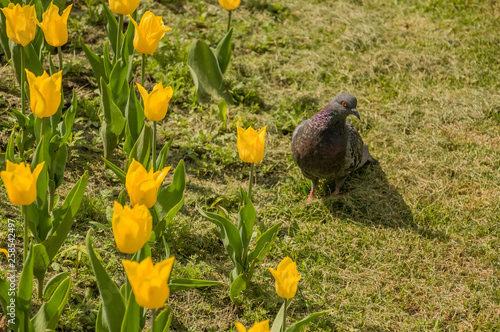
<point x="327" y="146"/>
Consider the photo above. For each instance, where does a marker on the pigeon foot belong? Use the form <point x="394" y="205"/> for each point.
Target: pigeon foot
<point x="310" y="195"/>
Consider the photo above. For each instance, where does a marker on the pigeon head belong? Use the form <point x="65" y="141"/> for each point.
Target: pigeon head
<point x="345" y="104"/>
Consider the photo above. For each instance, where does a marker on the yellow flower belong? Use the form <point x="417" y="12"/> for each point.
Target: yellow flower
<point x="287" y="278"/>
<point x="45" y="93"/>
<point x="20" y="182"/>
<point x="257" y="327"/>
<point x="5" y="252"/>
<point x="149" y="283"/>
<point x="251" y="144"/>
<point x="131" y="227"/>
<point x="148" y="33"/>
<point x="229" y="4"/>
<point x="55" y="26"/>
<point x="142" y="186"/>
<point x="156" y="102"/>
<point x="21" y="23"/>
<point x="123" y="7"/>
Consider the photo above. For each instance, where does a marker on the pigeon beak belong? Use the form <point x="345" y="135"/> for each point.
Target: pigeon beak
<point x="355" y="113"/>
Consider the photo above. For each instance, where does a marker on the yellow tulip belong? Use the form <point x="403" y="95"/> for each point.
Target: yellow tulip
<point x="5" y="252"/>
<point x="20" y="182"/>
<point x="148" y="33"/>
<point x="131" y="227"/>
<point x="123" y="7"/>
<point x="251" y="144"/>
<point x="45" y="93"/>
<point x="229" y="4"/>
<point x="21" y="23"/>
<point x="149" y="282"/>
<point x="287" y="278"/>
<point x="257" y="327"/>
<point x="55" y="26"/>
<point x="156" y="102"/>
<point x="142" y="186"/>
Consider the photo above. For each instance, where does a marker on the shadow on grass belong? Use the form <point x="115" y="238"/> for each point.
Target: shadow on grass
<point x="367" y="197"/>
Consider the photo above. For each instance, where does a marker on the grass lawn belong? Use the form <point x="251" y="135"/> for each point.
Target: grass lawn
<point x="410" y="244"/>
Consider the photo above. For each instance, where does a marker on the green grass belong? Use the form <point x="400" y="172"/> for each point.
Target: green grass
<point x="411" y="244"/>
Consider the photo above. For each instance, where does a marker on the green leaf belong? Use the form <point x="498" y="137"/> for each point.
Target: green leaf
<point x="25" y="291"/>
<point x="4" y="40"/>
<point x="163" y="321"/>
<point x="302" y="323"/>
<point x="65" y="127"/>
<point x="171" y="199"/>
<point x="223" y="113"/>
<point x="223" y="51"/>
<point x="142" y="148"/>
<point x="206" y="72"/>
<point x="162" y="157"/>
<point x="22" y="119"/>
<point x="111" y="27"/>
<point x="9" y="153"/>
<point x="278" y="321"/>
<point x="182" y="284"/>
<point x="32" y="62"/>
<point x="48" y="315"/>
<point x="53" y="283"/>
<point x="59" y="164"/>
<point x="117" y="170"/>
<point x="246" y="220"/>
<point x="237" y="286"/>
<point x="113" y="121"/>
<point x="135" y="119"/>
<point x="97" y="64"/>
<point x="131" y="320"/>
<point x="229" y="235"/>
<point x="263" y="244"/>
<point x="108" y="66"/>
<point x="118" y="84"/>
<point x="113" y="306"/>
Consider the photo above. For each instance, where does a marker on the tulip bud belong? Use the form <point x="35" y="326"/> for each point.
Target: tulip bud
<point x="20" y="182"/>
<point x="123" y="7"/>
<point x="156" y="102"/>
<point x="55" y="26"/>
<point x="131" y="227"/>
<point x="21" y="23"/>
<point x="148" y="33"/>
<point x="257" y="327"/>
<point x="229" y="4"/>
<point x="287" y="278"/>
<point x="45" y="93"/>
<point x="251" y="144"/>
<point x="142" y="186"/>
<point x="149" y="282"/>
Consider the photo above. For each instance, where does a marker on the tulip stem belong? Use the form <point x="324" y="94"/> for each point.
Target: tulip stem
<point x="40" y="287"/>
<point x="143" y="68"/>
<point x="23" y="104"/>
<point x="59" y="52"/>
<point x="252" y="165"/>
<point x="25" y="239"/>
<point x="153" y="318"/>
<point x="283" y="327"/>
<point x="118" y="37"/>
<point x="229" y="20"/>
<point x="154" y="147"/>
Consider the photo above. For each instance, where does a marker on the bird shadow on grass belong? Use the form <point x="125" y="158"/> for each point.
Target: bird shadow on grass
<point x="367" y="197"/>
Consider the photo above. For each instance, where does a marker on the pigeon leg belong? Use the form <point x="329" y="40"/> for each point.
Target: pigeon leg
<point x="338" y="184"/>
<point x="313" y="186"/>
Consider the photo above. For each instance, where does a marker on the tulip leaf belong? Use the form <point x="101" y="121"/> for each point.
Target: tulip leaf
<point x="53" y="283"/>
<point x="99" y="324"/>
<point x="171" y="199"/>
<point x="32" y="62"/>
<point x="42" y="262"/>
<point x="229" y="235"/>
<point x="246" y="220"/>
<point x="59" y="165"/>
<point x="113" y="306"/>
<point x="223" y="113"/>
<point x="131" y="320"/>
<point x="163" y="321"/>
<point x="107" y="59"/>
<point x="223" y="51"/>
<point x="4" y="294"/>
<point x="135" y="119"/>
<point x="113" y="121"/>
<point x="206" y="72"/>
<point x="162" y="157"/>
<point x="128" y="49"/>
<point x="9" y="153"/>
<point x="142" y="148"/>
<point x="117" y="170"/>
<point x="263" y="244"/>
<point x="118" y="84"/>
<point x="22" y="119"/>
<point x="25" y="291"/>
<point x="4" y="40"/>
<point x="182" y="284"/>
<point x="48" y="316"/>
<point x="96" y="62"/>
<point x="278" y="321"/>
<point x="111" y="27"/>
<point x="302" y="323"/>
<point x="64" y="127"/>
<point x="237" y="286"/>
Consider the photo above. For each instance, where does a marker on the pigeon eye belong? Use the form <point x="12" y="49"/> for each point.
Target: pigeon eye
<point x="344" y="104"/>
